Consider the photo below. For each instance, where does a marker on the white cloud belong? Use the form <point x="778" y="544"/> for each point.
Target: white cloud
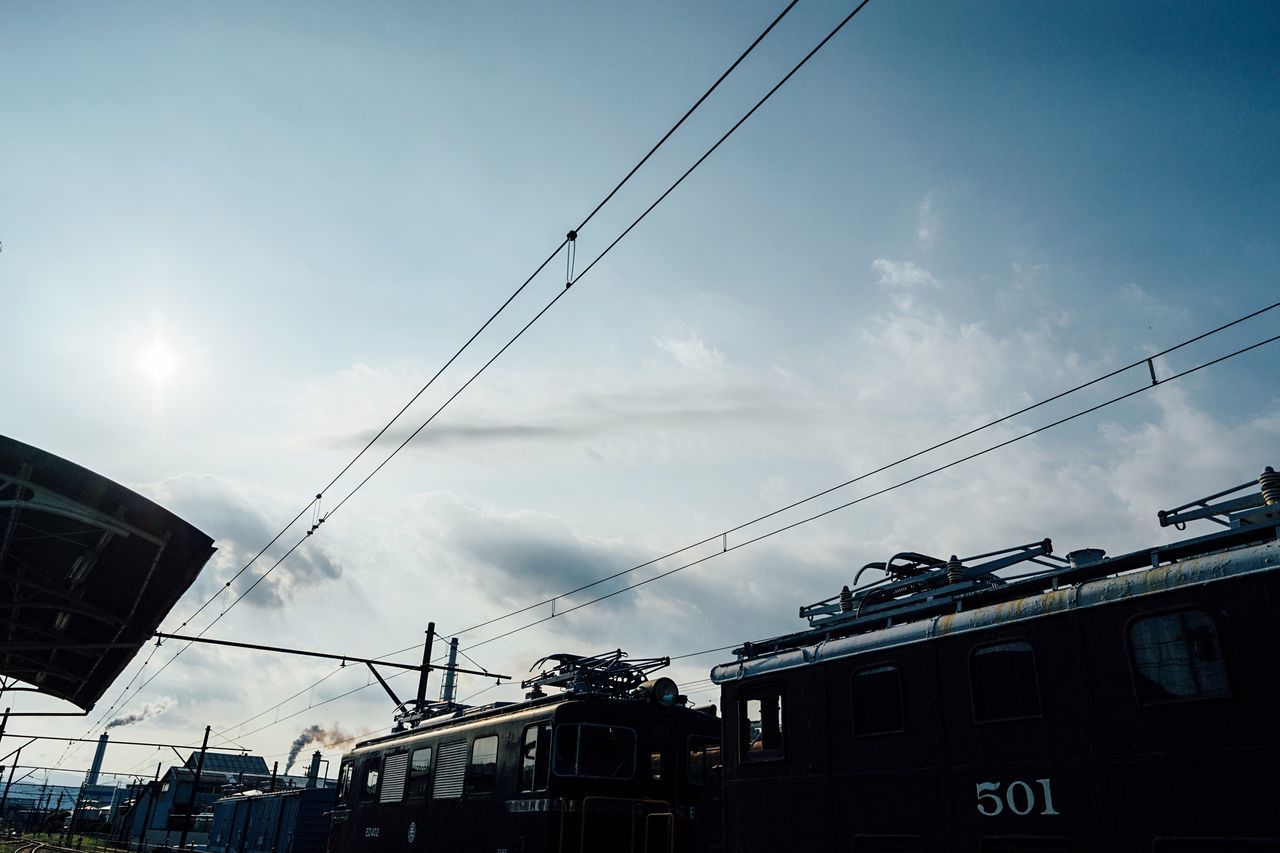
<point x="903" y="279"/>
<point x="903" y="275"/>
<point x="1026" y="274"/>
<point x="927" y="222"/>
<point x="239" y="529"/>
<point x="691" y="352"/>
<point x="776" y="490"/>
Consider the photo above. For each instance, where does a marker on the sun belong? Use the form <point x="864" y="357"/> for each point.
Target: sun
<point x="158" y="361"/>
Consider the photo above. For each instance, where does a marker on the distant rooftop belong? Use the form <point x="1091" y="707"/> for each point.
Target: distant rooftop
<point x="221" y="762"/>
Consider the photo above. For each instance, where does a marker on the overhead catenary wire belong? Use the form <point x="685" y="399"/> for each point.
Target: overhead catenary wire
<point x="938" y="469"/>
<point x="931" y="472"/>
<point x="559" y="295"/>
<point x="738" y="124"/>
<point x="878" y="470"/>
<point x="564" y="244"/>
<point x="567" y="242"/>
<point x="809" y="498"/>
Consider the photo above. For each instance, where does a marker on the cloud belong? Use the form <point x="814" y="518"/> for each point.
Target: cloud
<point x="1026" y="275"/>
<point x="691" y="352"/>
<point x="519" y="556"/>
<point x="903" y="279"/>
<point x="653" y="416"/>
<point x="240" y="531"/>
<point x="927" y="222"/>
<point x="902" y="275"/>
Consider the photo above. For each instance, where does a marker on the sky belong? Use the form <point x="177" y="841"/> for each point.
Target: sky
<point x="236" y="239"/>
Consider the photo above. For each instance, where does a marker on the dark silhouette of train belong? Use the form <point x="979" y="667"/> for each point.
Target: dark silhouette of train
<point x="617" y="761"/>
<point x="1086" y="703"/>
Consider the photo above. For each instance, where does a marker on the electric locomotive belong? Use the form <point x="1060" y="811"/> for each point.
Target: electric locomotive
<point x="1088" y="704"/>
<point x="615" y="763"/>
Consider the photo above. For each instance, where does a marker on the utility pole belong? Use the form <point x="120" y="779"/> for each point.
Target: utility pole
<point x="195" y="784"/>
<point x="42" y="803"/>
<point x="75" y="813"/>
<point x="153" y="793"/>
<point x="4" y="798"/>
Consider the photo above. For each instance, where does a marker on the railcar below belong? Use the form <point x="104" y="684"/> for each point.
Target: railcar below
<point x="616" y="763"/>
<point x="1094" y="704"/>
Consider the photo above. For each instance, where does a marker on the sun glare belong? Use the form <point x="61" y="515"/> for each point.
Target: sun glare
<point x="157" y="362"/>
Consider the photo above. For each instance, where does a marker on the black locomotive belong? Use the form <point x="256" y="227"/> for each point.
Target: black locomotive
<point x="1094" y="704"/>
<point x="1085" y="704"/>
<point x="617" y="762"/>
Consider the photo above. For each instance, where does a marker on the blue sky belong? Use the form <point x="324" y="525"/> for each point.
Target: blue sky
<point x="237" y="239"/>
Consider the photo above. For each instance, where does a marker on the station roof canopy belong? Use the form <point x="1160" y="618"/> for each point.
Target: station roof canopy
<point x="88" y="569"/>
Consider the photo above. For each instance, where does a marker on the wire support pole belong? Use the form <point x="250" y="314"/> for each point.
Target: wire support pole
<point x="426" y="664"/>
<point x="195" y="787"/>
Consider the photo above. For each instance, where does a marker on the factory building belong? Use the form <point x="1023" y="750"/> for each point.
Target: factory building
<point x="160" y="808"/>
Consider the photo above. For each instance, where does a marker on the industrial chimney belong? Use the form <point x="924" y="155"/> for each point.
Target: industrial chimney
<point x="96" y="767"/>
<point x="314" y="771"/>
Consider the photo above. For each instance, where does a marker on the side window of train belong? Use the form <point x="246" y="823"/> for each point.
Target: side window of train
<point x="704" y="760"/>
<point x="535" y="757"/>
<point x="877" y="701"/>
<point x="1176" y="657"/>
<point x="344" y="780"/>
<point x="483" y="772"/>
<point x="595" y="751"/>
<point x="1002" y="677"/>
<point x="371" y="766"/>
<point x="760" y="725"/>
<point x="420" y="772"/>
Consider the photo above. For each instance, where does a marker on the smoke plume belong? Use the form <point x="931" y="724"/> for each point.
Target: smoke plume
<point x="318" y="735"/>
<point x="150" y="709"/>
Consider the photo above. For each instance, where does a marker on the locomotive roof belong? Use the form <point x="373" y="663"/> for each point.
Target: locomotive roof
<point x="1250" y="545"/>
<point x="543" y="706"/>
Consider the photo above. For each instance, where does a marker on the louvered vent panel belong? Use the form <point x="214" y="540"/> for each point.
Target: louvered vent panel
<point x="393" y="772"/>
<point x="451" y="770"/>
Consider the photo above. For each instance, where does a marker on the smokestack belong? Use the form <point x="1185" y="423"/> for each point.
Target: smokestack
<point x="314" y="772"/>
<point x="96" y="767"/>
<point x="450" y="677"/>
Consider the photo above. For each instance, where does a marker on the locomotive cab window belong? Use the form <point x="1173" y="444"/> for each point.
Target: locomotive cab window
<point x="760" y="725"/>
<point x="704" y="760"/>
<point x="595" y="751"/>
<point x="371" y="767"/>
<point x="877" y="701"/>
<point x="483" y="771"/>
<point x="535" y="757"/>
<point x="1002" y="677"/>
<point x="420" y="772"/>
<point x="1176" y="657"/>
<point x="344" y="780"/>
